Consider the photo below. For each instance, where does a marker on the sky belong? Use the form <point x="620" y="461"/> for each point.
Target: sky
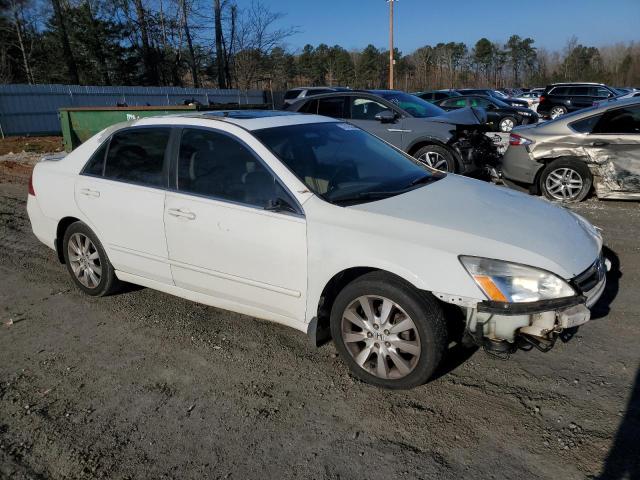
<point x="354" y="24"/>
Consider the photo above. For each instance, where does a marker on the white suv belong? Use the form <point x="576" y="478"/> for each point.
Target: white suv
<point x="318" y="225"/>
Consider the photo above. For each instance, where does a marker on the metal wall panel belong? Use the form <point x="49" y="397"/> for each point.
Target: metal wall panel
<point x="33" y="109"/>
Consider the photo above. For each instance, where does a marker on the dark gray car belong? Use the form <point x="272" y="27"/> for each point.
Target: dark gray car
<point x="563" y="158"/>
<point x="453" y="142"/>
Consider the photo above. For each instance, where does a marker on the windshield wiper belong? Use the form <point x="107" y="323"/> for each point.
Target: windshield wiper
<point x="428" y="178"/>
<point x="365" y="196"/>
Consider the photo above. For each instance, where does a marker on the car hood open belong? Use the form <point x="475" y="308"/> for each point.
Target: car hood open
<point x="469" y="217"/>
<point x="463" y="116"/>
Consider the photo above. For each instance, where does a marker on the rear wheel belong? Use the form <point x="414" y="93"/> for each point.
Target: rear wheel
<point x="555" y="112"/>
<point x="566" y="180"/>
<point x="507" y="124"/>
<point x="87" y="261"/>
<point x="387" y="332"/>
<point x="436" y="157"/>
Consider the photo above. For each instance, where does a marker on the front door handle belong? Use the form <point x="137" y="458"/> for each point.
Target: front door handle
<point x="181" y="213"/>
<point x="89" y="192"/>
<point x="599" y="144"/>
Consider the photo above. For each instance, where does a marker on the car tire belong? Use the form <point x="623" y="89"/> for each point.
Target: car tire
<point x="507" y="124"/>
<point x="437" y="157"/>
<point x="398" y="341"/>
<point x="566" y="180"/>
<point x="557" y="111"/>
<point x="87" y="262"/>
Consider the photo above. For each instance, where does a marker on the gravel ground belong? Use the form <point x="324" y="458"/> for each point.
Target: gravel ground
<point x="145" y="385"/>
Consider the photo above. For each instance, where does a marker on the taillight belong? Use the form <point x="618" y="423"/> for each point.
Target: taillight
<point x="31" y="190"/>
<point x="517" y="140"/>
<point x="542" y="98"/>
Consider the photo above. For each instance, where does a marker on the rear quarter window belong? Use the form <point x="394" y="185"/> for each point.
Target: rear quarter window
<point x="585" y="125"/>
<point x="559" y="91"/>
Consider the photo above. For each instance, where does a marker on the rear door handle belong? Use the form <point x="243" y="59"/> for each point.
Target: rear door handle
<point x="89" y="193"/>
<point x="600" y="144"/>
<point x="180" y="213"/>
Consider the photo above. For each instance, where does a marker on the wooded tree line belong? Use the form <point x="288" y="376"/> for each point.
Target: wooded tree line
<point x="217" y="44"/>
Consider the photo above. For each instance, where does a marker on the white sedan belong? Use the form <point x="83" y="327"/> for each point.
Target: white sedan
<point x="318" y="225"/>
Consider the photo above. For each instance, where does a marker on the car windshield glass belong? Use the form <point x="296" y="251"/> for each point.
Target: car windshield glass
<point x="343" y="164"/>
<point x="413" y="105"/>
<point x="500" y="94"/>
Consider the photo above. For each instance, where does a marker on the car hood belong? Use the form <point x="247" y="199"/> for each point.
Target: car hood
<point x="462" y="116"/>
<point x="469" y="217"/>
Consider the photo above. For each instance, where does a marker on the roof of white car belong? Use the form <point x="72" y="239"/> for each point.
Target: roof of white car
<point x="247" y="119"/>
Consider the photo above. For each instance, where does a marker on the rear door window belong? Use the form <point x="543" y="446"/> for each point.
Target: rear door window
<point x="455" y="103"/>
<point x="138" y="156"/>
<point x="332" y="107"/>
<point x="309" y="107"/>
<point x="621" y="121"/>
<point x="579" y="91"/>
<point x="291" y="94"/>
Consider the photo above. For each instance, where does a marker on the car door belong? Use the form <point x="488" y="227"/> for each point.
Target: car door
<point x="121" y="192"/>
<point x="222" y="240"/>
<point x="363" y="113"/>
<point x="494" y="114"/>
<point x="615" y="139"/>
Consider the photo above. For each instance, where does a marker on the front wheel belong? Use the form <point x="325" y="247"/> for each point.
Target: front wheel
<point x="388" y="333"/>
<point x="436" y="157"/>
<point x="566" y="180"/>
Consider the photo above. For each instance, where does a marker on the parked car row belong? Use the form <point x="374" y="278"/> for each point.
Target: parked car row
<point x="582" y="146"/>
<point x="452" y="142"/>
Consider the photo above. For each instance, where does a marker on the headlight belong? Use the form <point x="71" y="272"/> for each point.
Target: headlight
<point x="526" y="114"/>
<point x="511" y="282"/>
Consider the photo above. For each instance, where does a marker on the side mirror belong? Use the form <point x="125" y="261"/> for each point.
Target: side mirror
<point x="490" y="106"/>
<point x="386" y="116"/>
<point x="279" y="205"/>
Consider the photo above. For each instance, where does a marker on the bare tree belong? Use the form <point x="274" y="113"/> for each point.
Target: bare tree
<point x="72" y="67"/>
<point x="192" y="56"/>
<point x="256" y="36"/>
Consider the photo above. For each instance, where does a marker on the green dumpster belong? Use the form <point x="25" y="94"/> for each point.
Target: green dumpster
<point x="81" y="123"/>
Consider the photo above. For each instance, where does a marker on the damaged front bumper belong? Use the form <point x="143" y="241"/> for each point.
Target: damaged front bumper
<point x="504" y="327"/>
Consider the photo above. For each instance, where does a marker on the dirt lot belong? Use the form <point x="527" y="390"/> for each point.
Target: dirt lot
<point x="144" y="385"/>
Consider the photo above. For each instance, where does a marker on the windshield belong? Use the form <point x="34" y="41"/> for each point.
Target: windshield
<point x="343" y="164"/>
<point x="500" y="94"/>
<point x="413" y="105"/>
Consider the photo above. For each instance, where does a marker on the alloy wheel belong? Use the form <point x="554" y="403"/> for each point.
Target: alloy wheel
<point x="380" y="336"/>
<point x="564" y="183"/>
<point x="506" y="125"/>
<point x="434" y="160"/>
<point x="556" y="112"/>
<point x="84" y="260"/>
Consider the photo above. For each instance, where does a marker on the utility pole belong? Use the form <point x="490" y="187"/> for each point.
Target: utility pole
<point x="391" y="60"/>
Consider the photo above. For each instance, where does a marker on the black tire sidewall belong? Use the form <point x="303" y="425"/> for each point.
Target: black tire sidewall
<point x="448" y="156"/>
<point x="107" y="279"/>
<point x="423" y="309"/>
<point x="578" y="166"/>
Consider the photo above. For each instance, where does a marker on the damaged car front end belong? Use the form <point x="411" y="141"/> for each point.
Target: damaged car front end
<point x="597" y="147"/>
<point x="526" y="307"/>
